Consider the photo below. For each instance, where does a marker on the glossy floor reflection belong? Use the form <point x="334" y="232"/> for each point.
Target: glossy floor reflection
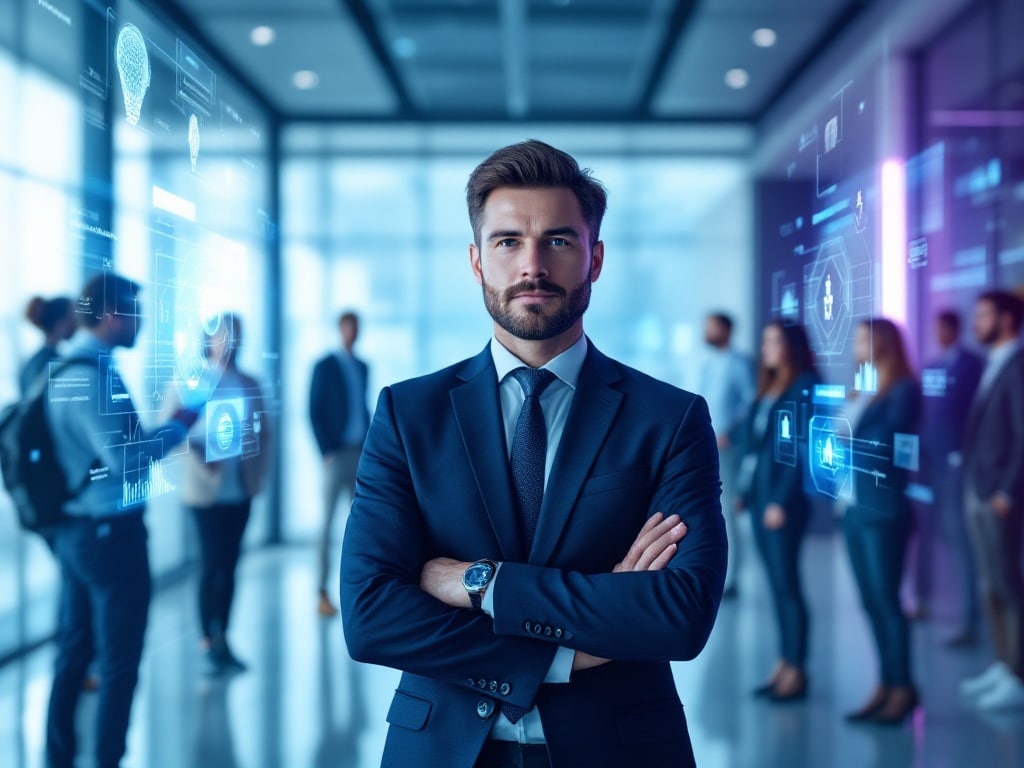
<point x="304" y="703"/>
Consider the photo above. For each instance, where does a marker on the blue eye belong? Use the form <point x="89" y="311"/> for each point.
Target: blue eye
<point x="560" y="241"/>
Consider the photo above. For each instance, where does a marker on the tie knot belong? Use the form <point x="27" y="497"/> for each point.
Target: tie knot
<point x="533" y="380"/>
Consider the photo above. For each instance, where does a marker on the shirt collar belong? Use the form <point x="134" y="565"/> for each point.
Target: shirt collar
<point x="1003" y="352"/>
<point x="566" y="366"/>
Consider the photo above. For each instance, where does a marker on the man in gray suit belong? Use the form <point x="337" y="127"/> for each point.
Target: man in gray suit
<point x="994" y="481"/>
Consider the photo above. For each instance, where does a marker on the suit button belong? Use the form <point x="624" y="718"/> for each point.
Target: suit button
<point x="481" y="683"/>
<point x="527" y="625"/>
<point x="484" y="708"/>
<point x="471" y="682"/>
<point x="536" y="629"/>
<point x="506" y="689"/>
<point x="547" y="631"/>
<point x="493" y="686"/>
<point x="558" y="631"/>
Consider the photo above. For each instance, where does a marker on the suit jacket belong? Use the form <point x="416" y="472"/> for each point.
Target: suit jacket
<point x="994" y="440"/>
<point x="945" y="417"/>
<point x="434" y="481"/>
<point x="772" y="481"/>
<point x="329" y="406"/>
<point x="879" y="484"/>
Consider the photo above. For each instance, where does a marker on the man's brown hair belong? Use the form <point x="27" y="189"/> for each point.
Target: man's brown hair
<point x="529" y="164"/>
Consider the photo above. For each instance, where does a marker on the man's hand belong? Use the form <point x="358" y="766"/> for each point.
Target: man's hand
<point x="723" y="441"/>
<point x="442" y="578"/>
<point x="1002" y="505"/>
<point x="654" y="546"/>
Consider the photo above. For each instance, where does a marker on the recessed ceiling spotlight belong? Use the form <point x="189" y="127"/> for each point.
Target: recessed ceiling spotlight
<point x="262" y="35"/>
<point x="404" y="47"/>
<point x="737" y="78"/>
<point x="305" y="79"/>
<point x="764" y="37"/>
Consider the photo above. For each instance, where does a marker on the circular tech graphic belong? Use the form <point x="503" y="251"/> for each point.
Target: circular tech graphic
<point x="224" y="429"/>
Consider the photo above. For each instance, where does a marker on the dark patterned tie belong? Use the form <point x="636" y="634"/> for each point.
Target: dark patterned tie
<point x="529" y="452"/>
<point x="529" y="449"/>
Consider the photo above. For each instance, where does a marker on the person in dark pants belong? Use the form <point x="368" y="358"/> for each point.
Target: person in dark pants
<point x="877" y="518"/>
<point x="771" y="488"/>
<point x="56" y="319"/>
<point x="945" y="407"/>
<point x="340" y="418"/>
<point x="104" y="563"/>
<point x="994" y="483"/>
<point x="224" y="469"/>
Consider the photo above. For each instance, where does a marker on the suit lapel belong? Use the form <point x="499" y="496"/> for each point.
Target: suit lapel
<point x="593" y="410"/>
<point x="478" y="415"/>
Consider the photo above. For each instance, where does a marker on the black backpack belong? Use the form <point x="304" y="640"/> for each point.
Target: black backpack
<point x="32" y="475"/>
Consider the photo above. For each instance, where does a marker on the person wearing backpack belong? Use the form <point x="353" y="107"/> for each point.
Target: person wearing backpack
<point x="56" y="319"/>
<point x="101" y="544"/>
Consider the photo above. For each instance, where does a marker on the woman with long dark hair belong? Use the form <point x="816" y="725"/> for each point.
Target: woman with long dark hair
<point x="877" y="519"/>
<point x="772" y="491"/>
<point x="56" y="319"/>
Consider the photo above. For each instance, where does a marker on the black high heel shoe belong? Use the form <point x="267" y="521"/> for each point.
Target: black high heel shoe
<point x="900" y="703"/>
<point x="877" y="701"/>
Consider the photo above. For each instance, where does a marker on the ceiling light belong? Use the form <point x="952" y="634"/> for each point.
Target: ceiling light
<point x="764" y="37"/>
<point x="305" y="79"/>
<point x="262" y="35"/>
<point x="737" y="78"/>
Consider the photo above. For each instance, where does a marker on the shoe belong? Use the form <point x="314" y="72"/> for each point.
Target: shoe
<point x="213" y="663"/>
<point x="877" y="701"/>
<point x="1008" y="693"/>
<point x="325" y="607"/>
<point x="898" y="704"/>
<point x="231" y="662"/>
<point x="763" y="691"/>
<point x="965" y="638"/>
<point x="974" y="687"/>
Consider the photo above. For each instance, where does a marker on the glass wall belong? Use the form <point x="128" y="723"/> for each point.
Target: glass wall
<point x="126" y="149"/>
<point x="375" y="220"/>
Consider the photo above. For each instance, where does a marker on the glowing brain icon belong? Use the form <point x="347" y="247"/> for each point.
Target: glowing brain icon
<point x="133" y="66"/>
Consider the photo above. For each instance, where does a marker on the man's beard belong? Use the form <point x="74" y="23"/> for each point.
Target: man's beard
<point x="534" y="325"/>
<point x="989" y="336"/>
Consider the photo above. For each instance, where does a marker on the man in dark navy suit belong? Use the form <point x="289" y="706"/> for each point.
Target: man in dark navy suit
<point x="337" y="410"/>
<point x="537" y="530"/>
<point x="949" y="385"/>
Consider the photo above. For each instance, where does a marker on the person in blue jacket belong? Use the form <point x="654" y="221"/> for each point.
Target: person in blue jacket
<point x="772" y="490"/>
<point x="878" y="518"/>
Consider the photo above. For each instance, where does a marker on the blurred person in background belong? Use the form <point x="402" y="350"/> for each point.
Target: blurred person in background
<point x="340" y="419"/>
<point x="994" y="480"/>
<point x="771" y="488"/>
<point x="226" y="466"/>
<point x="944" y="419"/>
<point x="727" y="383"/>
<point x="102" y="545"/>
<point x="878" y="518"/>
<point x="56" y="319"/>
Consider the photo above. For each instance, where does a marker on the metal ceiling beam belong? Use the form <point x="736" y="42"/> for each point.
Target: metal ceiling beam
<point x="681" y="16"/>
<point x="367" y="24"/>
<point x="515" y="39"/>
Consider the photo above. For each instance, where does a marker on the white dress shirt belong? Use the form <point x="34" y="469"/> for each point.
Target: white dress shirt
<point x="555" y="402"/>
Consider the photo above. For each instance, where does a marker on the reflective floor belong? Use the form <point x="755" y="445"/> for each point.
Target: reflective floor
<point x="304" y="703"/>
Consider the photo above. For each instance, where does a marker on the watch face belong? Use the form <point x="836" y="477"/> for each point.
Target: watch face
<point x="478" y="576"/>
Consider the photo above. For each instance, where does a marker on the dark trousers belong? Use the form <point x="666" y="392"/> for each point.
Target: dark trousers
<point x="220" y="529"/>
<point x="877" y="552"/>
<point x="948" y="487"/>
<point x="105" y="594"/>
<point x="780" y="553"/>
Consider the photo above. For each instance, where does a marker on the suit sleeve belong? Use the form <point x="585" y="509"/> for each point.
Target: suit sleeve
<point x="388" y="619"/>
<point x="1011" y="483"/>
<point x="317" y="406"/>
<point x="657" y="615"/>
